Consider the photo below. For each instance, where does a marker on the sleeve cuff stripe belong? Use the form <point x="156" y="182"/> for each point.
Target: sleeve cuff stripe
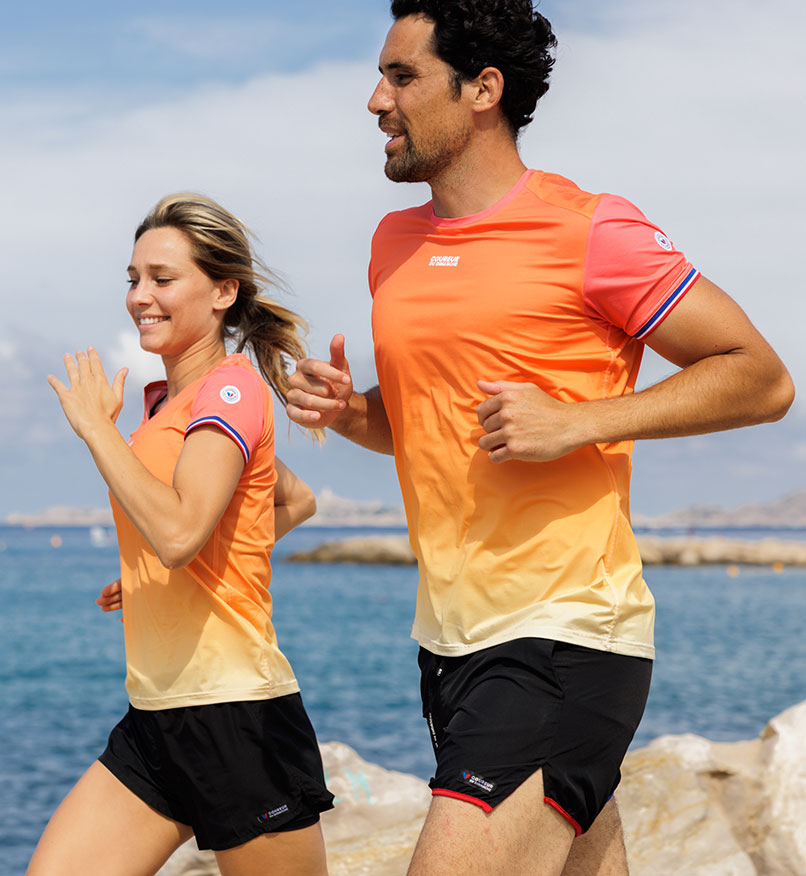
<point x="668" y="304"/>
<point x="225" y="427"/>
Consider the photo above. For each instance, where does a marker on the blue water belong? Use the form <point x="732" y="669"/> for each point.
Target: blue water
<point x="730" y="655"/>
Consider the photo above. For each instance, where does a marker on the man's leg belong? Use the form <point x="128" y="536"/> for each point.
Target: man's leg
<point x="522" y="836"/>
<point x="600" y="851"/>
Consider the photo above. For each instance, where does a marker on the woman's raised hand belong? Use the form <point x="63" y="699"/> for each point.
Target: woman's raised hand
<point x="90" y="400"/>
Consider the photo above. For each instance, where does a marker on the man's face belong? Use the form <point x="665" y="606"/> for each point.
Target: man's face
<point x="417" y="106"/>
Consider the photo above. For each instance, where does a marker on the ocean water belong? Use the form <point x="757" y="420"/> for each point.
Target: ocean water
<point x="730" y="655"/>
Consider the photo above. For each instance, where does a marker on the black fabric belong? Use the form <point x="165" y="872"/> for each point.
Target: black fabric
<point x="498" y="715"/>
<point x="232" y="771"/>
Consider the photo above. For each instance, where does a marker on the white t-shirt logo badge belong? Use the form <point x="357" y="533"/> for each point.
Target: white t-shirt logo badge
<point x="230" y="394"/>
<point x="663" y="241"/>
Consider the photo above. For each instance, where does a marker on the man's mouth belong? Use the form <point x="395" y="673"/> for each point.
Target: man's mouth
<point x="395" y="139"/>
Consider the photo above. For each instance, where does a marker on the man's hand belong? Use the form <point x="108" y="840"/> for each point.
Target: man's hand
<point x="320" y="390"/>
<point x="111" y="598"/>
<point x="523" y="422"/>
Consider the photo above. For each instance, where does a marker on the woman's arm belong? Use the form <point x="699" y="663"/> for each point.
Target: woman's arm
<point x="175" y="519"/>
<point x="294" y="500"/>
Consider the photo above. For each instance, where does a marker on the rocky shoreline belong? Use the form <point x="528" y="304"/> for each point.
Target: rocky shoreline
<point x="655" y="550"/>
<point x="689" y="806"/>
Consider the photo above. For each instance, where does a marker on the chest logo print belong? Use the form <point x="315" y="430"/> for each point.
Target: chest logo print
<point x="444" y="262"/>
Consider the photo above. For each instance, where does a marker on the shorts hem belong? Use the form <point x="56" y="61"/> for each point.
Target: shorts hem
<point x="247" y="836"/>
<point x="569" y="818"/>
<point x="140" y="789"/>
<point x="456" y="795"/>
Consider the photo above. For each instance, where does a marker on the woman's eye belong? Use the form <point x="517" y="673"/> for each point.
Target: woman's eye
<point x="131" y="282"/>
<point x="162" y="281"/>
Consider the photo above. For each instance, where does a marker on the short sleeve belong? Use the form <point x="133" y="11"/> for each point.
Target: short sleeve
<point x="231" y="399"/>
<point x="634" y="276"/>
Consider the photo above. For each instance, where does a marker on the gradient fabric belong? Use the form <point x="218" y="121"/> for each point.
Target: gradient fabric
<point x="550" y="286"/>
<point x="203" y="633"/>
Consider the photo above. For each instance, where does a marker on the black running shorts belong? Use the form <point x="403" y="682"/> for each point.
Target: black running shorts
<point x="232" y="771"/>
<point x="499" y="714"/>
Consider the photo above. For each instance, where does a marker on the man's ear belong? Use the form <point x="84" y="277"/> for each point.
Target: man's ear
<point x="489" y="85"/>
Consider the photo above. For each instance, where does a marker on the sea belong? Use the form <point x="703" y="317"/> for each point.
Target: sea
<point x="730" y="642"/>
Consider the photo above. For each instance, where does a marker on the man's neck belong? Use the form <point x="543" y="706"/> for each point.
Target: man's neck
<point x="478" y="179"/>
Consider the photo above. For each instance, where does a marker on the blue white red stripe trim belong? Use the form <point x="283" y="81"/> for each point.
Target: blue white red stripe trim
<point x="224" y="426"/>
<point x="668" y="304"/>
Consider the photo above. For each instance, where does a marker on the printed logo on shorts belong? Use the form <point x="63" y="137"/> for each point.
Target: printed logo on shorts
<point x="663" y="241"/>
<point x="272" y="813"/>
<point x="477" y="782"/>
<point x="230" y="394"/>
<point x="444" y="262"/>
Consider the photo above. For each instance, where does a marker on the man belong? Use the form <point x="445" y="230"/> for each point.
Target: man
<point x="509" y="317"/>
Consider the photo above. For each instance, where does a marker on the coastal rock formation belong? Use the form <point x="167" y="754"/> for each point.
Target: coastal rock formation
<point x="689" y="806"/>
<point x="718" y="809"/>
<point x="378" y="549"/>
<point x="655" y="550"/>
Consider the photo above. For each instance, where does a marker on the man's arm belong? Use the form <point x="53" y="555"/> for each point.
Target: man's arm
<point x="322" y="395"/>
<point x="730" y="377"/>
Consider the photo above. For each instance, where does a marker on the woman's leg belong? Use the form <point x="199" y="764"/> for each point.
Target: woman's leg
<point x="290" y="853"/>
<point x="103" y="829"/>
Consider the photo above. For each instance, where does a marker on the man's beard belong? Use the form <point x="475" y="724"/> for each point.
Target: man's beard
<point x="413" y="164"/>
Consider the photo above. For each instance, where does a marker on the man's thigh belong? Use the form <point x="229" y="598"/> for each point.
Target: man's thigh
<point x="521" y="836"/>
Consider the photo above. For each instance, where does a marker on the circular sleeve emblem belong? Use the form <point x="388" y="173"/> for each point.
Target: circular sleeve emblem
<point x="230" y="394"/>
<point x="663" y="241"/>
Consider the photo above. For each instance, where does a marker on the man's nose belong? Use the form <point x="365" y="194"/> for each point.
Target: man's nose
<point x="381" y="100"/>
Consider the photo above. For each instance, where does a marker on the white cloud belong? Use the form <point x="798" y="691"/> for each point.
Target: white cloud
<point x="127" y="353"/>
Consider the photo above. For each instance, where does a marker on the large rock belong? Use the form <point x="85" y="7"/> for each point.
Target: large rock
<point x="690" y="807"/>
<point x="694" y="807"/>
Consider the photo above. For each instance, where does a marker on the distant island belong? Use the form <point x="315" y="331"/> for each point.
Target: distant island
<point x="331" y="510"/>
<point x="788" y="512"/>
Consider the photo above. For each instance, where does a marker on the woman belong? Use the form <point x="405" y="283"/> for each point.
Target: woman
<point x="216" y="741"/>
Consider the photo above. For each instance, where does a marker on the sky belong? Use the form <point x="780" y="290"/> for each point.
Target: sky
<point x="693" y="110"/>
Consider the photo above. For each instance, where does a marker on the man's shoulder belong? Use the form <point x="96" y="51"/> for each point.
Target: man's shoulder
<point x="408" y="216"/>
<point x="558" y="191"/>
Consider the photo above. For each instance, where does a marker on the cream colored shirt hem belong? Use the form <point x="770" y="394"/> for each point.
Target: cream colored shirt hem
<point x="203" y="698"/>
<point x="538" y="631"/>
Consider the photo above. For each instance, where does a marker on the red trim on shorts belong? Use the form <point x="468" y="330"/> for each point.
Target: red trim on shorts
<point x="444" y="792"/>
<point x="572" y="821"/>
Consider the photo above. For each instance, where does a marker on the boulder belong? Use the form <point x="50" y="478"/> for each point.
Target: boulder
<point x="718" y="809"/>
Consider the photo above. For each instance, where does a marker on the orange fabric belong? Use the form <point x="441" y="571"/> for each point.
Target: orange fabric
<point x="203" y="633"/>
<point x="517" y="293"/>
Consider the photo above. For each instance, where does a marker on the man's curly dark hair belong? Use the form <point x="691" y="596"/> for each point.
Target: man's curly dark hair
<point x="510" y="35"/>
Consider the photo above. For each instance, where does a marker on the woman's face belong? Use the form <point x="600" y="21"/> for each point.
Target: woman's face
<point x="173" y="303"/>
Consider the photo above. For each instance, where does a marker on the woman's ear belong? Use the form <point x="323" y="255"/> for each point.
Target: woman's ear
<point x="226" y="294"/>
